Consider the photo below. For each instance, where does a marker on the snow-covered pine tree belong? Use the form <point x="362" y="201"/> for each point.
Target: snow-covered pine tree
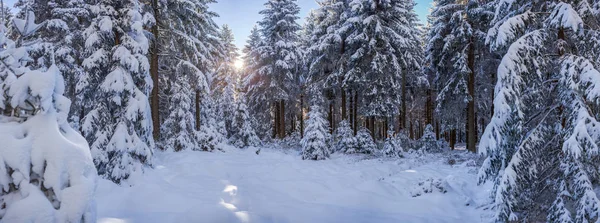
<point x="223" y="84"/>
<point x="428" y="141"/>
<point x="118" y="126"/>
<point x="243" y="132"/>
<point x="250" y="56"/>
<point x="542" y="143"/>
<point x="346" y="142"/>
<point x="366" y="144"/>
<point x="276" y="77"/>
<point x="457" y="58"/>
<point x="316" y="135"/>
<point x="189" y="47"/>
<point x="60" y="42"/>
<point x="392" y="146"/>
<point x="383" y="44"/>
<point x="46" y="170"/>
<point x="178" y="129"/>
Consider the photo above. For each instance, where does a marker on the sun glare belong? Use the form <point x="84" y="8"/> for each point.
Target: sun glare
<point x="239" y="64"/>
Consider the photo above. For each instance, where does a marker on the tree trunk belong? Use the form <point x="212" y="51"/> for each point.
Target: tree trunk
<point x="471" y="120"/>
<point x="301" y="116"/>
<point x="198" y="110"/>
<point x="282" y="120"/>
<point x="452" y="139"/>
<point x="429" y="108"/>
<point x="355" y="112"/>
<point x="344" y="117"/>
<point x="154" y="98"/>
<point x="351" y="110"/>
<point x="331" y="117"/>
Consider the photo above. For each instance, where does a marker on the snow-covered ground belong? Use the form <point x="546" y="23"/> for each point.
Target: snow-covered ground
<point x="278" y="187"/>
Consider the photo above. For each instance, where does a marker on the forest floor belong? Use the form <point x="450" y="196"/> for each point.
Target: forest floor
<point x="276" y="186"/>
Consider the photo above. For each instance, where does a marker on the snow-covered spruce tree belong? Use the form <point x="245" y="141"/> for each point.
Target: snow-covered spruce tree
<point x="188" y="47"/>
<point x="178" y="129"/>
<point x="275" y="79"/>
<point x="382" y="46"/>
<point x="392" y="146"/>
<point x="365" y="141"/>
<point x="327" y="44"/>
<point x="243" y="132"/>
<point x="250" y="56"/>
<point x="316" y="135"/>
<point x="428" y="141"/>
<point x="46" y="170"/>
<point x="346" y="142"/>
<point x="457" y="57"/>
<point x="542" y="143"/>
<point x="223" y="84"/>
<point x="119" y="126"/>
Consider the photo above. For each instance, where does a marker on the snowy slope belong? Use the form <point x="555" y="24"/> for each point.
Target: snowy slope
<point x="275" y="186"/>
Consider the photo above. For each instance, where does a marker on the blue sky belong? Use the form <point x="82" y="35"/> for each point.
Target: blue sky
<point x="242" y="15"/>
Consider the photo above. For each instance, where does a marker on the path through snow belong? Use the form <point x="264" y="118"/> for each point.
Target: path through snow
<point x="275" y="187"/>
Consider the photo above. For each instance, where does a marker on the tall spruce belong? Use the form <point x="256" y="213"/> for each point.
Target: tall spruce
<point x="542" y="143"/>
<point x="274" y="82"/>
<point x="118" y="124"/>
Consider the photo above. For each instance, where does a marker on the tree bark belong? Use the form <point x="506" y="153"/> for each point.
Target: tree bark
<point x="355" y="113"/>
<point x="429" y="108"/>
<point x="301" y="116"/>
<point x="452" y="139"/>
<point x="344" y="117"/>
<point x="332" y="110"/>
<point x="471" y="120"/>
<point x="351" y="110"/>
<point x="282" y="120"/>
<point x="198" y="110"/>
<point x="154" y="98"/>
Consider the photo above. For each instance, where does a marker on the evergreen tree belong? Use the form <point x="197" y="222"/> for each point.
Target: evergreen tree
<point x="316" y="136"/>
<point x="543" y="139"/>
<point x="118" y="126"/>
<point x="428" y="142"/>
<point x="250" y="56"/>
<point x="223" y="85"/>
<point x="36" y="181"/>
<point x="347" y="143"/>
<point x="244" y="135"/>
<point x="365" y="141"/>
<point x="383" y="46"/>
<point x="275" y="79"/>
<point x="455" y="40"/>
<point x="178" y="130"/>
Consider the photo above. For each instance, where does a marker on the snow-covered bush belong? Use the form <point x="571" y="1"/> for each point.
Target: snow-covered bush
<point x="429" y="186"/>
<point x="365" y="141"/>
<point x="346" y="143"/>
<point x="46" y="169"/>
<point x="316" y="136"/>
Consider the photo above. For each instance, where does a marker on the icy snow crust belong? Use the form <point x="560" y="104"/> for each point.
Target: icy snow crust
<point x="278" y="186"/>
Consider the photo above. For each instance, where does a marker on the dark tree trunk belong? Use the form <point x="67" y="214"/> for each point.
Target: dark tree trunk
<point x="429" y="108"/>
<point x="330" y="117"/>
<point x="471" y="120"/>
<point x="344" y="117"/>
<point x="198" y="110"/>
<point x="452" y="139"/>
<point x="355" y="112"/>
<point x="154" y="98"/>
<point x="351" y="110"/>
<point x="282" y="120"/>
<point x="301" y="116"/>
